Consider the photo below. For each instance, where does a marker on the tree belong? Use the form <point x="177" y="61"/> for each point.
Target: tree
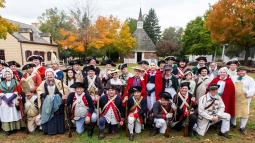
<point x="81" y="17"/>
<point x="125" y="41"/>
<point x="173" y="35"/>
<point x="196" y="39"/>
<point x="151" y="26"/>
<point x="52" y="20"/>
<point x="104" y="31"/>
<point x="233" y="22"/>
<point x="132" y="23"/>
<point x="5" y="26"/>
<point x="165" y="47"/>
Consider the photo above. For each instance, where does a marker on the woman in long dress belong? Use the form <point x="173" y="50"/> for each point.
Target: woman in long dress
<point x="52" y="93"/>
<point x="11" y="111"/>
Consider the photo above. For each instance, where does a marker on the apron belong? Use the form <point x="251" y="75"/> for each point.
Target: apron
<point x="241" y="107"/>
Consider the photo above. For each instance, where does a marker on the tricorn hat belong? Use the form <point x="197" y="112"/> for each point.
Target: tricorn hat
<point x="135" y="89"/>
<point x="10" y="63"/>
<point x="77" y="85"/>
<point x="166" y="95"/>
<point x="33" y="57"/>
<point x="201" y="58"/>
<point x="214" y="87"/>
<point x="27" y="66"/>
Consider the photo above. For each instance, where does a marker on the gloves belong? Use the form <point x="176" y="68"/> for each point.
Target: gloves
<point x="169" y="115"/>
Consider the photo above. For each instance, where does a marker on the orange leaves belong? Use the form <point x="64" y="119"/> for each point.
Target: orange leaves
<point x="71" y="40"/>
<point x="105" y="31"/>
<point x="232" y="21"/>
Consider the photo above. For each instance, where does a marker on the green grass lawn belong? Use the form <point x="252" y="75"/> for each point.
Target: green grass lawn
<point x="144" y="137"/>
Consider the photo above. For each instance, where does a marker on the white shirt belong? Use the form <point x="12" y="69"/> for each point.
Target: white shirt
<point x="248" y="85"/>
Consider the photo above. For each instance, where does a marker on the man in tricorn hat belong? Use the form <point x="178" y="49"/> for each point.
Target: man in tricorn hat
<point x="137" y="106"/>
<point x="111" y="106"/>
<point x="81" y="108"/>
<point x="232" y="68"/>
<point x="210" y="111"/>
<point x="39" y="68"/>
<point x="76" y="64"/>
<point x="29" y="83"/>
<point x="201" y="63"/>
<point x="91" y="61"/>
<point x="163" y="112"/>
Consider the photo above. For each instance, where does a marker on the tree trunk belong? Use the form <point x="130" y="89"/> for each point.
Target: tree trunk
<point x="247" y="55"/>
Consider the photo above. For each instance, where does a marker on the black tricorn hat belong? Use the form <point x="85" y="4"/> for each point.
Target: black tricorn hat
<point x="182" y="59"/>
<point x="92" y="58"/>
<point x="170" y="58"/>
<point x="122" y="66"/>
<point x="90" y="67"/>
<point x="32" y="57"/>
<point x="166" y="95"/>
<point x="27" y="66"/>
<point x="185" y="84"/>
<point x="109" y="62"/>
<point x="143" y="62"/>
<point x="77" y="85"/>
<point x="10" y="63"/>
<point x="75" y="62"/>
<point x="135" y="89"/>
<point x="202" y="68"/>
<point x="232" y="62"/>
<point x="241" y="68"/>
<point x="2" y="62"/>
<point x="161" y="62"/>
<point x="201" y="58"/>
<point x="68" y="69"/>
<point x="214" y="87"/>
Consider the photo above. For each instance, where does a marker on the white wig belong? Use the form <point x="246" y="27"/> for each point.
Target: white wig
<point x="223" y="69"/>
<point x="49" y="70"/>
<point x="5" y="70"/>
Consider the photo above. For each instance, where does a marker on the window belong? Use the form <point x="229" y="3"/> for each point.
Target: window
<point x="27" y="54"/>
<point x="2" y="55"/>
<point x="42" y="54"/>
<point x="49" y="56"/>
<point x="36" y="53"/>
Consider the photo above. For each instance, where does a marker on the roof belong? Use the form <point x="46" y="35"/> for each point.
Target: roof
<point x="24" y="28"/>
<point x="143" y="41"/>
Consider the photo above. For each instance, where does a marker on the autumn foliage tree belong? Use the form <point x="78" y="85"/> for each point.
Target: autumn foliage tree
<point x="5" y="26"/>
<point x="233" y="22"/>
<point x="111" y="36"/>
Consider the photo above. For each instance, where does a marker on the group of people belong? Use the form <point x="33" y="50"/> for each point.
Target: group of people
<point x="159" y="96"/>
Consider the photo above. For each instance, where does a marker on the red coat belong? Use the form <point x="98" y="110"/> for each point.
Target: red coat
<point x="41" y="72"/>
<point x="36" y="78"/>
<point x="158" y="83"/>
<point x="130" y="84"/>
<point x="228" y="95"/>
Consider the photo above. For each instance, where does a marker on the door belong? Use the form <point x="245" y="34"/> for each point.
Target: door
<point x="139" y="56"/>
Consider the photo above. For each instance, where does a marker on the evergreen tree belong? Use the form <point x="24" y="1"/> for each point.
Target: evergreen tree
<point x="151" y="26"/>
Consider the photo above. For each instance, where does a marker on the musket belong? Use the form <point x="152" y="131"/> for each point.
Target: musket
<point x="126" y="115"/>
<point x="169" y="125"/>
<point x="67" y="112"/>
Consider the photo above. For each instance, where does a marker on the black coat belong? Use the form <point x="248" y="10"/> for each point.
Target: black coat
<point x="143" y="105"/>
<point x="88" y="98"/>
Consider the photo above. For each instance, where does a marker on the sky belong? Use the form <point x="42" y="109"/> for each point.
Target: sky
<point x="175" y="13"/>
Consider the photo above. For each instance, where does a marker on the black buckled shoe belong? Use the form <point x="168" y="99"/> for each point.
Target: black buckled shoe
<point x="226" y="135"/>
<point x="243" y="131"/>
